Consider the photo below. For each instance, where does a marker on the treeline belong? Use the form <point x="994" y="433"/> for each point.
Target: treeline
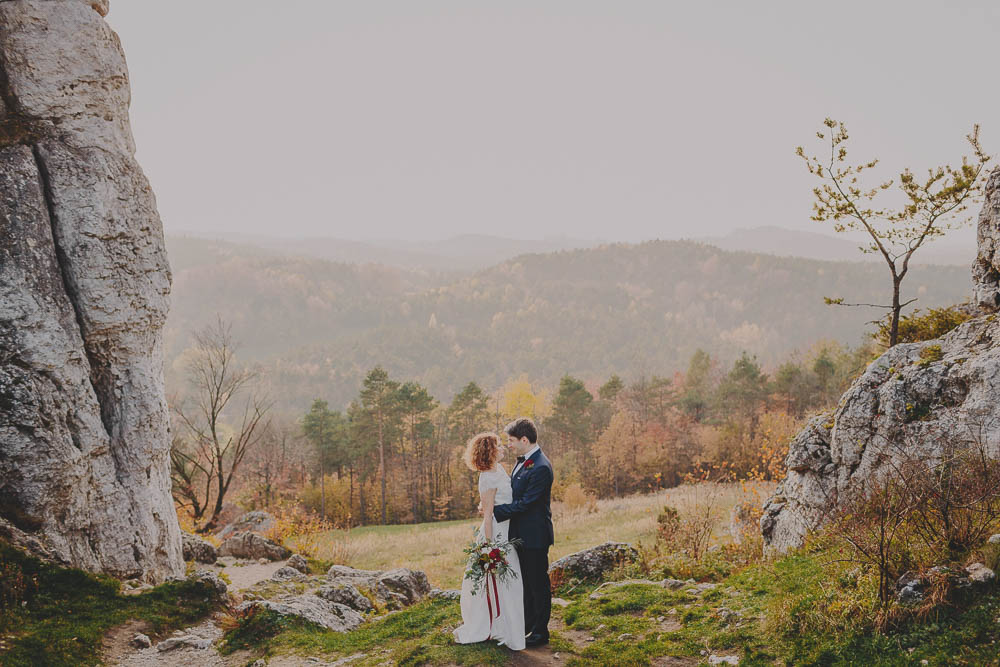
<point x="393" y="456"/>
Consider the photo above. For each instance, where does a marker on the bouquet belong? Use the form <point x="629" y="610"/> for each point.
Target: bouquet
<point x="488" y="559"/>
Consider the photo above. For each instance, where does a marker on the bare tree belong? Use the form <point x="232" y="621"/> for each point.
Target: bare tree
<point x="929" y="207"/>
<point x="223" y="418"/>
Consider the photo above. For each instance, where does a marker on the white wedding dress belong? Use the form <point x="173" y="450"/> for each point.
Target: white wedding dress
<point x="480" y="620"/>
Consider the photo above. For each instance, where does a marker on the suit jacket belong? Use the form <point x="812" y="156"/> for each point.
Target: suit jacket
<point x="530" y="512"/>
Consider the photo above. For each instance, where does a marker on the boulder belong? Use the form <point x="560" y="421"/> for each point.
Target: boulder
<point x="84" y="296"/>
<point x="213" y="580"/>
<point x="141" y="641"/>
<point x="593" y="563"/>
<point x="330" y="615"/>
<point x="253" y="546"/>
<point x="994" y="539"/>
<point x="299" y="563"/>
<point x="346" y="594"/>
<point x="438" y="594"/>
<point x="394" y="588"/>
<point x="287" y="574"/>
<point x="986" y="268"/>
<point x="910" y="589"/>
<point x="197" y="549"/>
<point x="251" y="522"/>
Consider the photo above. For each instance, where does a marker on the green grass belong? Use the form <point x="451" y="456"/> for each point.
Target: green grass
<point x="68" y="611"/>
<point x="419" y="635"/>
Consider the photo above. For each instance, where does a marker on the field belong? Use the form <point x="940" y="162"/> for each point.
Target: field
<point x="436" y="548"/>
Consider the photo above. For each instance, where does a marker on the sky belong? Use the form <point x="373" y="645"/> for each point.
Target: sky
<point x="619" y="120"/>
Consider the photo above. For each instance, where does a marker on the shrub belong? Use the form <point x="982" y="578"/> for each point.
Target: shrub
<point x="916" y="328"/>
<point x="575" y="498"/>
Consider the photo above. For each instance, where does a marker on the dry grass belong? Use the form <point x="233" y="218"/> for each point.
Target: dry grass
<point x="436" y="548"/>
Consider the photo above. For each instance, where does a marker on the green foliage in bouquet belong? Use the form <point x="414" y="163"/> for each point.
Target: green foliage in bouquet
<point x="488" y="557"/>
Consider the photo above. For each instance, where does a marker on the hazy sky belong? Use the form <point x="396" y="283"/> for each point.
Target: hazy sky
<point x="617" y="120"/>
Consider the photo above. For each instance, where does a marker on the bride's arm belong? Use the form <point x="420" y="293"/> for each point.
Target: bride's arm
<point x="489" y="495"/>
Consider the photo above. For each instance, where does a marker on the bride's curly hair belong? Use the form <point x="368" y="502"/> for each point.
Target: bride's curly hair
<point x="482" y="452"/>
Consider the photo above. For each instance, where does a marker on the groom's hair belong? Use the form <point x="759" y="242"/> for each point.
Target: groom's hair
<point x="522" y="427"/>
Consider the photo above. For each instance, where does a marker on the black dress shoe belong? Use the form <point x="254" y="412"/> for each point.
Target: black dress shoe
<point x="536" y="639"/>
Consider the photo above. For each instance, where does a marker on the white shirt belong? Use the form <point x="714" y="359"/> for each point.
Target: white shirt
<point x="526" y="457"/>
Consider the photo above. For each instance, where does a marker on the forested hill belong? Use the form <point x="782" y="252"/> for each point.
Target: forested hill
<point x="629" y="309"/>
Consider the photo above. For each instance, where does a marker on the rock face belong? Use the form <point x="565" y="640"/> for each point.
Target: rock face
<point x="84" y="293"/>
<point x="986" y="269"/>
<point x="594" y="562"/>
<point x="909" y="402"/>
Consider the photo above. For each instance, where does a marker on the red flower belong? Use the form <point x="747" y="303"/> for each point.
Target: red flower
<point x="495" y="554"/>
<point x="529" y="464"/>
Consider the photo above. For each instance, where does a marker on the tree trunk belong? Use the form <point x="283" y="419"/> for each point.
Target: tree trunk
<point x="894" y="329"/>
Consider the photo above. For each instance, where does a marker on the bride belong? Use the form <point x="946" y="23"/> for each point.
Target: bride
<point x="480" y="621"/>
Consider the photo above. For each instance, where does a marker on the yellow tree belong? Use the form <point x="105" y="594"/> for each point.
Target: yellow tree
<point x="520" y="399"/>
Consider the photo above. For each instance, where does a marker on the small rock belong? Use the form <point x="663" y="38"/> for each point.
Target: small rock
<point x="253" y="522"/>
<point x="723" y="659"/>
<point x="299" y="563"/>
<point x="141" y="641"/>
<point x="453" y="594"/>
<point x="625" y="635"/>
<point x="980" y="574"/>
<point x="262" y="561"/>
<point x="191" y="641"/>
<point x="600" y="627"/>
<point x="994" y="539"/>
<point x="672" y="584"/>
<point x="259" y="662"/>
<point x="213" y="580"/>
<point x="286" y="574"/>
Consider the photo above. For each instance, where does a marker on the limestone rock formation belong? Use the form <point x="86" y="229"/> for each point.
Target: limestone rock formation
<point x="197" y="549"/>
<point x="986" y="269"/>
<point x="907" y="403"/>
<point x="331" y="615"/>
<point x="84" y="293"/>
<point x="396" y="588"/>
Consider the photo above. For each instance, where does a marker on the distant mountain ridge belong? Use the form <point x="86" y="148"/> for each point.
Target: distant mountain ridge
<point x="631" y="309"/>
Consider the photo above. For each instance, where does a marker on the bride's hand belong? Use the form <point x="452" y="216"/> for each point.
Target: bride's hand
<point x="479" y="508"/>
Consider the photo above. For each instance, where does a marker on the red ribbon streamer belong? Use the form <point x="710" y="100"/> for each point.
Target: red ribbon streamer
<point x="489" y="603"/>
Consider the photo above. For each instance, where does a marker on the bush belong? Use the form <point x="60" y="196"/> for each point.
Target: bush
<point x="916" y="328"/>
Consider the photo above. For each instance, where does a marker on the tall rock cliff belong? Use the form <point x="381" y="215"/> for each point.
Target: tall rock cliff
<point x="84" y="292"/>
<point x="910" y="402"/>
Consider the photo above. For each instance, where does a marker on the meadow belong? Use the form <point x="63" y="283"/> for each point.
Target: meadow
<point x="436" y="548"/>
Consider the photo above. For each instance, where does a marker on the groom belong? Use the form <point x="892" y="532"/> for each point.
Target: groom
<point x="531" y="521"/>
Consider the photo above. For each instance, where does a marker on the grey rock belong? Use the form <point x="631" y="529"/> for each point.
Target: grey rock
<point x="901" y="407"/>
<point x="438" y="594"/>
<point x="299" y="563"/>
<point x="596" y="561"/>
<point x="141" y="641"/>
<point x="346" y="594"/>
<point x="191" y="641"/>
<point x="723" y="659"/>
<point x="979" y="574"/>
<point x="986" y="268"/>
<point x="84" y="294"/>
<point x="197" y="549"/>
<point x="672" y="584"/>
<point x="330" y="615"/>
<point x="994" y="539"/>
<point x="394" y="588"/>
<point x="253" y="546"/>
<point x="211" y="578"/>
<point x="251" y="522"/>
<point x="286" y="574"/>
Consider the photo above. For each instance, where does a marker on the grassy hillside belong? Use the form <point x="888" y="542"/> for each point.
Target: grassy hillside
<point x="629" y="309"/>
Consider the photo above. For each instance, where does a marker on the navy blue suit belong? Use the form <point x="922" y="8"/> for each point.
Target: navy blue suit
<point x="530" y="516"/>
